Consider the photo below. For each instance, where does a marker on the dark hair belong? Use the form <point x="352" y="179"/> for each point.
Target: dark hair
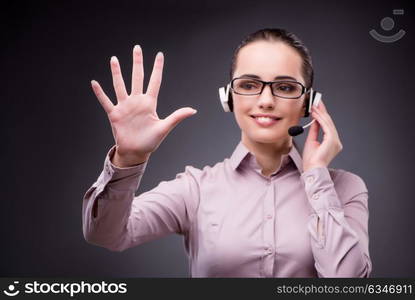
<point x="282" y="35"/>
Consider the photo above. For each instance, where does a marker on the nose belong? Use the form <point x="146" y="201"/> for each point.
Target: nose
<point x="266" y="98"/>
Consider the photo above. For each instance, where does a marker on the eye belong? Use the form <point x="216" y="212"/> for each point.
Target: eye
<point x="285" y="88"/>
<point x="247" y="85"/>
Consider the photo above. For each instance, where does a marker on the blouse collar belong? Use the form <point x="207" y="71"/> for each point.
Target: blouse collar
<point x="241" y="151"/>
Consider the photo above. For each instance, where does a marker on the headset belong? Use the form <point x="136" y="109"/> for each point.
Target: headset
<point x="312" y="98"/>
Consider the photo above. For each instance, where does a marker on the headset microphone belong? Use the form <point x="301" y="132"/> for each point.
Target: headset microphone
<point x="225" y="97"/>
<point x="296" y="130"/>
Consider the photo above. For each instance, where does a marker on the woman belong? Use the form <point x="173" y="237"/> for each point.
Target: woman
<point x="264" y="212"/>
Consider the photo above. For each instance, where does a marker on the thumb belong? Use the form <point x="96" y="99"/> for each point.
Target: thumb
<point x="313" y="133"/>
<point x="177" y="116"/>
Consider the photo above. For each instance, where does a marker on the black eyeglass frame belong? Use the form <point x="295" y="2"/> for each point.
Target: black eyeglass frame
<point x="304" y="90"/>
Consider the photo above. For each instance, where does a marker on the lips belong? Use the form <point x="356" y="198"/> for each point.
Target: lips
<point x="266" y="116"/>
<point x="266" y="121"/>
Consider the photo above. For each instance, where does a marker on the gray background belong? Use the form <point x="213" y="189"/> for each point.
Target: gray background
<point x="57" y="134"/>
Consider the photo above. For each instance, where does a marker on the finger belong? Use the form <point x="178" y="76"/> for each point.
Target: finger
<point x="322" y="106"/>
<point x="156" y="75"/>
<point x="323" y="110"/>
<point x="177" y="116"/>
<point x="322" y="121"/>
<point x="138" y="71"/>
<point x="102" y="97"/>
<point x="313" y="132"/>
<point x="325" y="115"/>
<point x="117" y="79"/>
<point x="328" y="126"/>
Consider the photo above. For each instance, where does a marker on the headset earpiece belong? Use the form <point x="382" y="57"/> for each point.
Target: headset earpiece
<point x="225" y="97"/>
<point x="313" y="98"/>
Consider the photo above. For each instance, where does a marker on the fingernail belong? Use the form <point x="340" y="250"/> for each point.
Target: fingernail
<point x="113" y="58"/>
<point x="137" y="47"/>
<point x="194" y="111"/>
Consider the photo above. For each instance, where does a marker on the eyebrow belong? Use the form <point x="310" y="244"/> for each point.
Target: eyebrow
<point x="277" y="77"/>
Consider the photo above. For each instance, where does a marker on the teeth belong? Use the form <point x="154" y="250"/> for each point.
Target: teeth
<point x="264" y="118"/>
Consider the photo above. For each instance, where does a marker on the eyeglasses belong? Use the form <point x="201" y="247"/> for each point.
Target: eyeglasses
<point x="283" y="89"/>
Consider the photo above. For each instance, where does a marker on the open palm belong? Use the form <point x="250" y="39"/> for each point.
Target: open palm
<point x="136" y="127"/>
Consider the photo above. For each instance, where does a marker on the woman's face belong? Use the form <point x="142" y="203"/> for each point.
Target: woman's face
<point x="268" y="60"/>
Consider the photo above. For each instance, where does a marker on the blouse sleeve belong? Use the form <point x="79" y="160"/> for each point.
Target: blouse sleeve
<point x="114" y="218"/>
<point x="339" y="223"/>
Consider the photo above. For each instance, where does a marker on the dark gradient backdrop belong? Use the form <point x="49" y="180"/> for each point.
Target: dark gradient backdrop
<point x="56" y="134"/>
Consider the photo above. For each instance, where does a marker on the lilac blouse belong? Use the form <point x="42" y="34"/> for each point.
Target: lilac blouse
<point x="235" y="221"/>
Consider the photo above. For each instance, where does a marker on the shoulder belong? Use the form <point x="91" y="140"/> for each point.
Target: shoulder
<point x="346" y="183"/>
<point x="347" y="178"/>
<point x="207" y="172"/>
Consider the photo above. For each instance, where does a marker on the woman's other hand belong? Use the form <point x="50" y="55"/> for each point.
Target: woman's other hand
<point x="316" y="154"/>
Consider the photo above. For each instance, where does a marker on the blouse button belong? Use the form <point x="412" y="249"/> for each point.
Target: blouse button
<point x="269" y="250"/>
<point x="315" y="196"/>
<point x="310" y="179"/>
<point x="269" y="216"/>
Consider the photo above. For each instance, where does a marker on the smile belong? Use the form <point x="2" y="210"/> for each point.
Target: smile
<point x="265" y="121"/>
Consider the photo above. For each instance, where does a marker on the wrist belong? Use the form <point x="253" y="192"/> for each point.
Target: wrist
<point x="126" y="160"/>
<point x="309" y="167"/>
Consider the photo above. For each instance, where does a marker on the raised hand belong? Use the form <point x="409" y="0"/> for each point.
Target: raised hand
<point x="316" y="154"/>
<point x="136" y="127"/>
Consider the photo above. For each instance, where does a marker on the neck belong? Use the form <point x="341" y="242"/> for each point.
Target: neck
<point x="268" y="155"/>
